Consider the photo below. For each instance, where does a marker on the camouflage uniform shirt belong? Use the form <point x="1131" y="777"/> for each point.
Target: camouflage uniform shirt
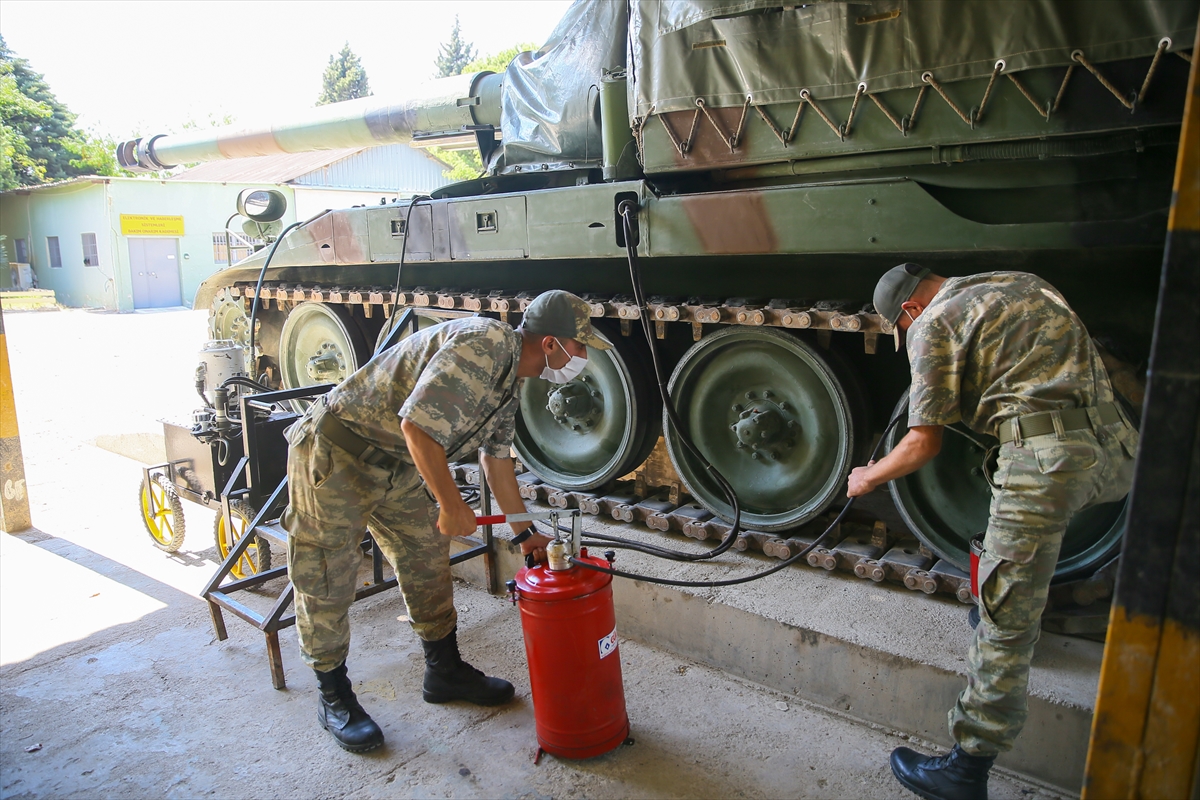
<point x="456" y="381"/>
<point x="998" y="345"/>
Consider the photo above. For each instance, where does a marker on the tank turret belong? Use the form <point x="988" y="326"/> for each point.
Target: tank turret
<point x="780" y="157"/>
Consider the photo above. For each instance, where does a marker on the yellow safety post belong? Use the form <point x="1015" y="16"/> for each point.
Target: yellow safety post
<point x="1146" y="729"/>
<point x="14" y="501"/>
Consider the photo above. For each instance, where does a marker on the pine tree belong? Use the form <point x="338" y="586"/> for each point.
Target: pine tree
<point x="344" y="79"/>
<point x="455" y="54"/>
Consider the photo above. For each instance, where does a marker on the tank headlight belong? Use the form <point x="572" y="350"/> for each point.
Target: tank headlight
<point x="261" y="205"/>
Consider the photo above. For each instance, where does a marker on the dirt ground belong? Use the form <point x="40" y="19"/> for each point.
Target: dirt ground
<point x="112" y="683"/>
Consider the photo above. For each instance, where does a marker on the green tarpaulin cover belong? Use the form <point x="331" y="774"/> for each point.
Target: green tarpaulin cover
<point x="724" y="50"/>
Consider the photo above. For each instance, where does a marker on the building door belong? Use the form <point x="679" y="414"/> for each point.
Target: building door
<point x="154" y="268"/>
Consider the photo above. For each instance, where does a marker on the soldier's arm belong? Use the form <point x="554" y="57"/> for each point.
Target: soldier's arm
<point x="455" y="518"/>
<point x="915" y="450"/>
<point x="503" y="479"/>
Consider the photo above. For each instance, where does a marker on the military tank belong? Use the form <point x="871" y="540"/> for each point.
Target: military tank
<point x="780" y="157"/>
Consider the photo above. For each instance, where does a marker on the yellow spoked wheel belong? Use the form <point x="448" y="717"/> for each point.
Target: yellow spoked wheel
<point x="162" y="513"/>
<point x="257" y="557"/>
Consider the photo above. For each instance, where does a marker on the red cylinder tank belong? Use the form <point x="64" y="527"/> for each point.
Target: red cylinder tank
<point x="574" y="664"/>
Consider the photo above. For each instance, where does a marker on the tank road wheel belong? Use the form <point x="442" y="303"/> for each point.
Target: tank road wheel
<point x="946" y="502"/>
<point x="596" y="428"/>
<point x="319" y="344"/>
<point x="257" y="557"/>
<point x="424" y="320"/>
<point x="162" y="513"/>
<point x="227" y="319"/>
<point x="781" y="421"/>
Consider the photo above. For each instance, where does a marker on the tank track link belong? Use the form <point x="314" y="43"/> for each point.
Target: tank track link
<point x="824" y="316"/>
<point x="860" y="545"/>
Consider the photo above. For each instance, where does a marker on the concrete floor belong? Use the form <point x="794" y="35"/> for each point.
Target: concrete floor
<point x="113" y="685"/>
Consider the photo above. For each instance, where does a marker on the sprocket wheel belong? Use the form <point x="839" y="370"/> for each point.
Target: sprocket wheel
<point x="227" y="319"/>
<point x="162" y="513"/>
<point x="257" y="557"/>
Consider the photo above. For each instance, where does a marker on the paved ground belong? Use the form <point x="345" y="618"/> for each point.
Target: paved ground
<point x="112" y="684"/>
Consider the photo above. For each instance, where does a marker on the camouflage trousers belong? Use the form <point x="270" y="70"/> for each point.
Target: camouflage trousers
<point x="1043" y="481"/>
<point x="333" y="498"/>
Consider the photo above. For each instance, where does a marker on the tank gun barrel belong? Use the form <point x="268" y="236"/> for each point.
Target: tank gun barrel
<point x="442" y="108"/>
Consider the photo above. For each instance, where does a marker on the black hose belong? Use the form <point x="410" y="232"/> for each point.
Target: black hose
<point x="746" y="578"/>
<point x="262" y="273"/>
<point x="628" y="209"/>
<point x="412" y="203"/>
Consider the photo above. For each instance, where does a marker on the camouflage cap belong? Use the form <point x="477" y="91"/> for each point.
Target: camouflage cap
<point x="559" y="313"/>
<point x="894" y="289"/>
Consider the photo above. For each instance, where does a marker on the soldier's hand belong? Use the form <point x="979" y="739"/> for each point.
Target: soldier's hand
<point x="536" y="544"/>
<point x="860" y="484"/>
<point x="456" y="519"/>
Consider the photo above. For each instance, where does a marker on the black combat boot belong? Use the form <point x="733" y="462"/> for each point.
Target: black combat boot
<point x="341" y="714"/>
<point x="954" y="776"/>
<point x="448" y="677"/>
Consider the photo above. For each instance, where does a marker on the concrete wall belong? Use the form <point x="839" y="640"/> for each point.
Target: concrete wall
<point x="95" y="206"/>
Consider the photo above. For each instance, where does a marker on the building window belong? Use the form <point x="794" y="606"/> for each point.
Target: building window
<point x="22" y="251"/>
<point x="91" y="255"/>
<point x="53" y="251"/>
<point x="243" y="246"/>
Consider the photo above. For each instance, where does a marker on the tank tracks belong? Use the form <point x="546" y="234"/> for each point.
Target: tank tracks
<point x="825" y="316"/>
<point x="860" y="545"/>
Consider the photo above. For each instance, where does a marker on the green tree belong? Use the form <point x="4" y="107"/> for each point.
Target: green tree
<point x="17" y="168"/>
<point x="39" y="140"/>
<point x="499" y="61"/>
<point x="344" y="78"/>
<point x="455" y="54"/>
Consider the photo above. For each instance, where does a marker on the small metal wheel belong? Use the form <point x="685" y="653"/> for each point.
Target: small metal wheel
<point x="257" y="557"/>
<point x="781" y="420"/>
<point x="598" y="427"/>
<point x="946" y="502"/>
<point x="319" y="344"/>
<point x="162" y="513"/>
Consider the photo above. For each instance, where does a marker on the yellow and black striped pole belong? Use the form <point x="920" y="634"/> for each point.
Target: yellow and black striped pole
<point x="14" y="502"/>
<point x="1146" y="729"/>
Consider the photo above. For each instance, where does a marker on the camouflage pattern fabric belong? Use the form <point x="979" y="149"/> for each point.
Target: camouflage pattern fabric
<point x="334" y="498"/>
<point x="988" y="348"/>
<point x="998" y="345"/>
<point x="1042" y="484"/>
<point x="456" y="381"/>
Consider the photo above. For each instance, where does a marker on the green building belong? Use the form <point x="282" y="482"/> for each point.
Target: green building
<point x="129" y="243"/>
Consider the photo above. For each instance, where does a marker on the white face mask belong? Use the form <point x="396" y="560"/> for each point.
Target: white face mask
<point x="568" y="373"/>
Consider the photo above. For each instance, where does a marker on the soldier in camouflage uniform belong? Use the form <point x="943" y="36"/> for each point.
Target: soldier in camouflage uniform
<point x="1003" y="353"/>
<point x="374" y="453"/>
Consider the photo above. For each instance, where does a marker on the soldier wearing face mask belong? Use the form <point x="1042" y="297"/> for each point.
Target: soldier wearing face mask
<point x="374" y="453"/>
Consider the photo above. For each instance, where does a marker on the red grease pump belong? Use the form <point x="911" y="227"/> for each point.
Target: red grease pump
<point x="571" y="644"/>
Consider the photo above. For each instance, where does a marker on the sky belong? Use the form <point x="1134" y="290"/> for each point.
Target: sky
<point x="135" y="68"/>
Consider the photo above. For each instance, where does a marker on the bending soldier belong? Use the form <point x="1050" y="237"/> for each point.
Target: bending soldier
<point x="375" y="451"/>
<point x="1003" y="353"/>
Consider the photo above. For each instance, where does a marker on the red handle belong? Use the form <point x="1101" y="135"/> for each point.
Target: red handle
<point x="494" y="519"/>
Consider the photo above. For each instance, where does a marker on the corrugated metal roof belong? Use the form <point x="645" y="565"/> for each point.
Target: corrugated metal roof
<point x="396" y="168"/>
<point x="265" y="169"/>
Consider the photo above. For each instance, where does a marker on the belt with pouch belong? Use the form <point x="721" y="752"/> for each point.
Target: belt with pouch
<point x="332" y="429"/>
<point x="1073" y="419"/>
